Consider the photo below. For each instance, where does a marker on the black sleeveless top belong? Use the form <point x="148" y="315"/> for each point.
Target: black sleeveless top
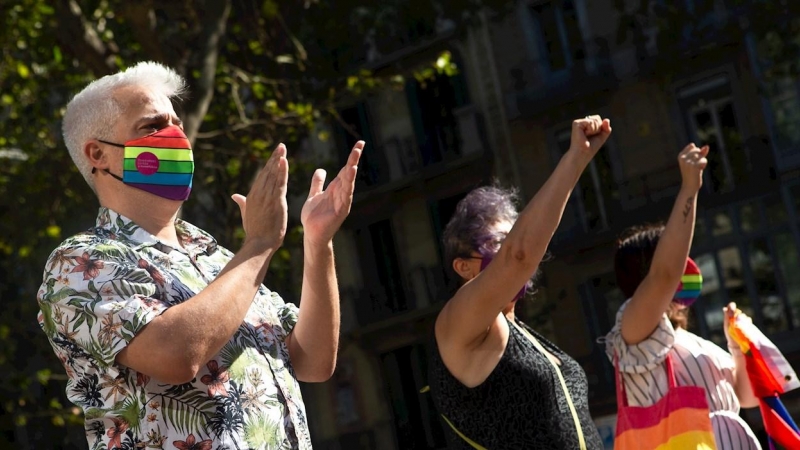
<point x="521" y="405"/>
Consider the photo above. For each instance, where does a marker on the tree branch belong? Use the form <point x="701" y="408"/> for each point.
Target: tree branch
<point x="204" y="61"/>
<point x="79" y="39"/>
<point x="236" y="127"/>
<point x="142" y="20"/>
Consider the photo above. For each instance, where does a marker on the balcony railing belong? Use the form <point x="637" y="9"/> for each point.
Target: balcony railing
<point x="400" y="158"/>
<point x="422" y="287"/>
<point x="537" y="90"/>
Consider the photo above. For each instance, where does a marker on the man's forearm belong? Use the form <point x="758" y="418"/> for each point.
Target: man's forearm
<point x="174" y="346"/>
<point x="314" y="341"/>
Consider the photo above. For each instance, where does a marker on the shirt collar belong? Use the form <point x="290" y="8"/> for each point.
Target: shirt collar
<point x="194" y="239"/>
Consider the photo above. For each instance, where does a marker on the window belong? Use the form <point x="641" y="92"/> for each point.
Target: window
<point x="784" y="103"/>
<point x="431" y="105"/>
<point x="748" y="255"/>
<point x="788" y="267"/>
<point x="762" y="263"/>
<point x="384" y="292"/>
<point x="559" y="34"/>
<point x="711" y="118"/>
<point x="781" y="93"/>
<point x="597" y="189"/>
<point x="355" y="125"/>
<point x="387" y="266"/>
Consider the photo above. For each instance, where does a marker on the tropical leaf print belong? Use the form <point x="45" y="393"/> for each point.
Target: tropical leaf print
<point x="87" y="391"/>
<point x="228" y="418"/>
<point x="137" y="283"/>
<point x="188" y="412"/>
<point x="113" y="252"/>
<point x="155" y="439"/>
<point x="261" y="433"/>
<point x="238" y="360"/>
<point x="130" y="410"/>
<point x="102" y="287"/>
<point x="61" y="294"/>
<point x="132" y="326"/>
<point x="47" y="321"/>
<point x="103" y="356"/>
<point x="176" y="390"/>
<point x="83" y="313"/>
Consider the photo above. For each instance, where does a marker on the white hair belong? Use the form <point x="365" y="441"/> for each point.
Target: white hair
<point x="92" y="113"/>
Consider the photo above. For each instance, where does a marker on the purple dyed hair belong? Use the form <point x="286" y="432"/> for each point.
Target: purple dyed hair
<point x="470" y="228"/>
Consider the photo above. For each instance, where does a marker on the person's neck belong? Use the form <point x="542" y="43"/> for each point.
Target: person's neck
<point x="158" y="218"/>
<point x="509" y="312"/>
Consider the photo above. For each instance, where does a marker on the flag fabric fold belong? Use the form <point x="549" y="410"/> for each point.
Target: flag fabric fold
<point x="770" y="376"/>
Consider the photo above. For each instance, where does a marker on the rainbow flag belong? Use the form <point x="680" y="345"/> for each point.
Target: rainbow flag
<point x="770" y="375"/>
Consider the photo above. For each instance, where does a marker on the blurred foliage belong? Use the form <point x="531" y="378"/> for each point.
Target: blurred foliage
<point x="260" y="72"/>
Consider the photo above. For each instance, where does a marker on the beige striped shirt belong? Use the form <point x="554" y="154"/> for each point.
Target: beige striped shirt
<point x="697" y="362"/>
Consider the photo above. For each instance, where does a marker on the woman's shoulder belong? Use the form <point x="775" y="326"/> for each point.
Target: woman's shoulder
<point x="644" y="356"/>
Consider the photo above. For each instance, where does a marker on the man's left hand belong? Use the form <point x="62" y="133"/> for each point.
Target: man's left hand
<point x="325" y="210"/>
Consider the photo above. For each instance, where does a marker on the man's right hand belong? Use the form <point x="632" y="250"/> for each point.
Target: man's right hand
<point x="264" y="210"/>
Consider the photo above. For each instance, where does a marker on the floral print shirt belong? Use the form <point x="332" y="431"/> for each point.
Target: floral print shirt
<point x="101" y="287"/>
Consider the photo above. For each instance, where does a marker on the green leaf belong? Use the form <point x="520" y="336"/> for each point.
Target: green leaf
<point x="188" y="412"/>
<point x="43" y="376"/>
<point x="269" y="9"/>
<point x="61" y="294"/>
<point x="23" y="70"/>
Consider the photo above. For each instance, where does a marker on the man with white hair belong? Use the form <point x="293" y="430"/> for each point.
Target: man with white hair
<point x="169" y="340"/>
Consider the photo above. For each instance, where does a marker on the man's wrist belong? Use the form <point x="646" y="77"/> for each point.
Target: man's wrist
<point x="261" y="246"/>
<point x="314" y="247"/>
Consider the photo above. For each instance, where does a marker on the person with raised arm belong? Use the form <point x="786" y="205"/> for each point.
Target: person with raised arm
<point x="660" y="281"/>
<point x="496" y="382"/>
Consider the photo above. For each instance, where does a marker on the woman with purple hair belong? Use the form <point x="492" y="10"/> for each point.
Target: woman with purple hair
<point x="655" y="273"/>
<point x="496" y="382"/>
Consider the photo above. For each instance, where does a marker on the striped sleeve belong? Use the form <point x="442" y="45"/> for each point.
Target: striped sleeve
<point x="646" y="355"/>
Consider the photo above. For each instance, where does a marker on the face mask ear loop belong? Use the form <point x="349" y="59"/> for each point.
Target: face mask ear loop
<point x="111" y="143"/>
<point x="94" y="170"/>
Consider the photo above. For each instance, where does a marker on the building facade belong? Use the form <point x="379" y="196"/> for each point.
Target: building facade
<point x="523" y="78"/>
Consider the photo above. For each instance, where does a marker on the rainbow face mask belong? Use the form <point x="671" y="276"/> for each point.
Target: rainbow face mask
<point x="160" y="163"/>
<point x="691" y="284"/>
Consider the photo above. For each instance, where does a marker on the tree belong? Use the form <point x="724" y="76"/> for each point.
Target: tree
<point x="259" y="72"/>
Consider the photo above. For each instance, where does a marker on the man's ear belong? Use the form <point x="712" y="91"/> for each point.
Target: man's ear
<point x="96" y="154"/>
<point x="464" y="268"/>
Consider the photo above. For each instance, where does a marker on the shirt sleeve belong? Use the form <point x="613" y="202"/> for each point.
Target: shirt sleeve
<point x="645" y="356"/>
<point x="97" y="296"/>
<point x="287" y="311"/>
